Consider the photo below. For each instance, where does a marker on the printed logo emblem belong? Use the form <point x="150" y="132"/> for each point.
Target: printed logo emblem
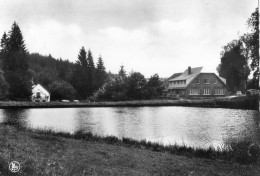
<point x="14" y="166"/>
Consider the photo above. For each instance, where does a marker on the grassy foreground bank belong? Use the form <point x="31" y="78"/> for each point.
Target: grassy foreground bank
<point x="48" y="153"/>
<point x="234" y="103"/>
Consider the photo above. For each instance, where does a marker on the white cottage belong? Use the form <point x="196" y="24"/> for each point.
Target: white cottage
<point x="40" y="94"/>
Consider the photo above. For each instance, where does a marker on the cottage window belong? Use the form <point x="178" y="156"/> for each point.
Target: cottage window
<point x="215" y="81"/>
<point x="194" y="92"/>
<point x="38" y="95"/>
<point x="206" y="91"/>
<point x="206" y="81"/>
<point x="219" y="91"/>
<point x="197" y="81"/>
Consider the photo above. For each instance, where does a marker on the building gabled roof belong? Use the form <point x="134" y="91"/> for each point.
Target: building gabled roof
<point x="185" y="75"/>
<point x="223" y="80"/>
<point x="175" y="75"/>
<point x="39" y="87"/>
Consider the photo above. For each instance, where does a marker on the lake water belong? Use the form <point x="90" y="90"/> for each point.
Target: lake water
<point x="198" y="127"/>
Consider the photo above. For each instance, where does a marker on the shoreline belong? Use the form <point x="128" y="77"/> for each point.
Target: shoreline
<point x="249" y="103"/>
<point x="43" y="152"/>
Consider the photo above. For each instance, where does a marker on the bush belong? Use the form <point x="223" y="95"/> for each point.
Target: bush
<point x="62" y="90"/>
<point x="245" y="152"/>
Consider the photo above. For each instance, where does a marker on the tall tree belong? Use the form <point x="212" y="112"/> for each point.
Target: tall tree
<point x="79" y="78"/>
<point x="122" y="72"/>
<point x="3" y="48"/>
<point x="4" y="43"/>
<point x="15" y="63"/>
<point x="82" y="58"/>
<point x="252" y="43"/>
<point x="233" y="66"/>
<point x="136" y="86"/>
<point x="100" y="73"/>
<point x="90" y="73"/>
<point x="154" y="86"/>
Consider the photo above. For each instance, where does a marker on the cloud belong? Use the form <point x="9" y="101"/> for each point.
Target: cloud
<point x="147" y="36"/>
<point x="53" y="37"/>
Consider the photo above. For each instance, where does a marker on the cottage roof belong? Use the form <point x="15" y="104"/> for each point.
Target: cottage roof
<point x="40" y="88"/>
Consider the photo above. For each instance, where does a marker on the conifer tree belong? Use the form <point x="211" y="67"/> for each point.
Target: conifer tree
<point x="90" y="73"/>
<point x="100" y="73"/>
<point x="79" y="78"/>
<point x="14" y="57"/>
<point x="82" y="58"/>
<point x="4" y="43"/>
<point x="90" y="61"/>
<point x="122" y="72"/>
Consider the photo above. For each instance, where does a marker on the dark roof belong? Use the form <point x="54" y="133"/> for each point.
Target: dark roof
<point x="174" y="76"/>
<point x="185" y="75"/>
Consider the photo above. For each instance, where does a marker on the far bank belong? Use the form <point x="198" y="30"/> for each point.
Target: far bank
<point x="243" y="102"/>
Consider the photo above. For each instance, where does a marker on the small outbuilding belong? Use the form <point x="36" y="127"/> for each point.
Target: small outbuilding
<point x="40" y="94"/>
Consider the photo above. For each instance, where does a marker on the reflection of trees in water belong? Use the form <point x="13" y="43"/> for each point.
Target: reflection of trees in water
<point x="83" y="120"/>
<point x="248" y="131"/>
<point x="16" y="117"/>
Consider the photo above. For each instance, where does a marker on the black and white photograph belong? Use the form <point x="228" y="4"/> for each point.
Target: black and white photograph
<point x="129" y="87"/>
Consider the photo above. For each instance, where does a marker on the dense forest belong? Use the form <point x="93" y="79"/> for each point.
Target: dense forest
<point x="83" y="80"/>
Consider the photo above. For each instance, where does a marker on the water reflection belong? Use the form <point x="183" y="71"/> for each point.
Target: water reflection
<point x="17" y="117"/>
<point x="199" y="127"/>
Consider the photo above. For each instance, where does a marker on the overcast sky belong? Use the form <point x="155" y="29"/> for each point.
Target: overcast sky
<point x="149" y="36"/>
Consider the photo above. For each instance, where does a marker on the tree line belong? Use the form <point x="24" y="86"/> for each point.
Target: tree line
<point x="82" y="80"/>
<point x="134" y="86"/>
<point x="240" y="57"/>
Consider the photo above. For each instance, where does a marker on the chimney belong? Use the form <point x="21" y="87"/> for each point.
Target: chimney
<point x="189" y="70"/>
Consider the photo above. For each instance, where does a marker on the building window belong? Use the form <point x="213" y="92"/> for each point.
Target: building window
<point x="206" y="81"/>
<point x="197" y="81"/>
<point x="194" y="91"/>
<point x="219" y="91"/>
<point x="206" y="91"/>
<point x="215" y="81"/>
<point x="38" y="95"/>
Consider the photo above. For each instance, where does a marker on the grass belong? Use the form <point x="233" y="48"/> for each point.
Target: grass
<point x="234" y="103"/>
<point x="41" y="152"/>
<point x="243" y="152"/>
